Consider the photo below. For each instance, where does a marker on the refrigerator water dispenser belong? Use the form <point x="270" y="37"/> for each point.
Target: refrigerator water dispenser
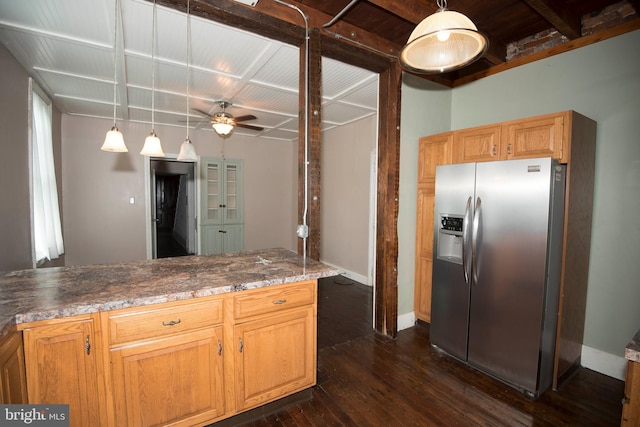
<point x="449" y="244"/>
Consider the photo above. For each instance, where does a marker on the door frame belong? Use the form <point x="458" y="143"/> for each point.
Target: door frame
<point x="193" y="239"/>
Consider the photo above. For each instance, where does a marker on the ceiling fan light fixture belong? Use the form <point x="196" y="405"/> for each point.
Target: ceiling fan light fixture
<point x="152" y="146"/>
<point x="222" y="129"/>
<point x="442" y="42"/>
<point x="114" y="141"/>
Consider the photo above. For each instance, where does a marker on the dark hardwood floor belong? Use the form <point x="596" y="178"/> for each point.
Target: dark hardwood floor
<point x="365" y="379"/>
<point x="167" y="245"/>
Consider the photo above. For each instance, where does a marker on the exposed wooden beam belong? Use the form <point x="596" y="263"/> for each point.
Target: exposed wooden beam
<point x="413" y="11"/>
<point x="636" y="5"/>
<point x="559" y="16"/>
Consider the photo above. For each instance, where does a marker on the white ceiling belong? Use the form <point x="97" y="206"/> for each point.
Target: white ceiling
<point x="67" y="46"/>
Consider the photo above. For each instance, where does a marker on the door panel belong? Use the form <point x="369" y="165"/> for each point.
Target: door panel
<point x="507" y="300"/>
<point x="450" y="293"/>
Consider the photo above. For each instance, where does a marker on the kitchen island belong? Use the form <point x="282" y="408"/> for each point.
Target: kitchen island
<point x="185" y="341"/>
<point x="631" y="401"/>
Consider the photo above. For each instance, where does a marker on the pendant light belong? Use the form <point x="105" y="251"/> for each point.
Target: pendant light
<point x="152" y="146"/>
<point x="444" y="41"/>
<point x="187" y="150"/>
<point x="114" y="140"/>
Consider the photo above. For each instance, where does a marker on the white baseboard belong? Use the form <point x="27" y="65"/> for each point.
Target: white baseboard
<point x="603" y="362"/>
<point x="600" y="361"/>
<point x="350" y="274"/>
<point x="406" y="321"/>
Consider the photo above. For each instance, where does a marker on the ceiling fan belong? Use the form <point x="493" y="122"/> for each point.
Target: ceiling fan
<point x="224" y="123"/>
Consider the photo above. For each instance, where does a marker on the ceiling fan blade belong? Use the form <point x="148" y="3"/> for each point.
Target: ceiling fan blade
<point x="245" y="118"/>
<point x="242" y="125"/>
<point x="204" y="113"/>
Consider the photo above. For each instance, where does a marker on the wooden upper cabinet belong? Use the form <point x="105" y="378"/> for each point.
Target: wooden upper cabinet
<point x="541" y="136"/>
<point x="433" y="151"/>
<point x="480" y="144"/>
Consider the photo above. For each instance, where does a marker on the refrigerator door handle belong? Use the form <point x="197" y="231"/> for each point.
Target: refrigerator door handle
<point x="474" y="240"/>
<point x="466" y="229"/>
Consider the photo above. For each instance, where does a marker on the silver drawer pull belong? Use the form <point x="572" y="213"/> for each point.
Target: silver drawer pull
<point x="280" y="301"/>
<point x="171" y="323"/>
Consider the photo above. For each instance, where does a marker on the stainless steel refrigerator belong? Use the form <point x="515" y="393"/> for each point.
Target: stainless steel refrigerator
<point x="497" y="264"/>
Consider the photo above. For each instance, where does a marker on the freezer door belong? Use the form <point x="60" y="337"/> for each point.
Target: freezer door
<point x="450" y="291"/>
<point x="511" y="227"/>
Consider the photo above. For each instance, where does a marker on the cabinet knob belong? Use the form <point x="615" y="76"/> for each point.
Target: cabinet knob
<point x="280" y="301"/>
<point x="87" y="345"/>
<point x="171" y="323"/>
<point x="241" y="346"/>
<point x="219" y="348"/>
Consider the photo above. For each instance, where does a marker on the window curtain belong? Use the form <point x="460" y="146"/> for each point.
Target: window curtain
<point x="47" y="230"/>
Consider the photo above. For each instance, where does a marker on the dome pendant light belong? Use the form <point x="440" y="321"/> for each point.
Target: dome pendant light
<point x="187" y="150"/>
<point x="152" y="146"/>
<point x="442" y="42"/>
<point x="114" y="141"/>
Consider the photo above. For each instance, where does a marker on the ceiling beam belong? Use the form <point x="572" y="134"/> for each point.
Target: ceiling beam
<point x="561" y="17"/>
<point x="636" y="5"/>
<point x="413" y="11"/>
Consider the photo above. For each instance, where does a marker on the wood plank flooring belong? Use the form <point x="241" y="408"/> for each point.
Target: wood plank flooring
<point x="365" y="379"/>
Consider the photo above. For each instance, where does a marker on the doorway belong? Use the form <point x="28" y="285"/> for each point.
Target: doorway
<point x="173" y="208"/>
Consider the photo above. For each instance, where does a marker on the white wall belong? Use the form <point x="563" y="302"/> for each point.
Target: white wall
<point x="345" y="194"/>
<point x="601" y="81"/>
<point x="101" y="226"/>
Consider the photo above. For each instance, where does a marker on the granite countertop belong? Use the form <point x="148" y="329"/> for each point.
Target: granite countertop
<point x="632" y="352"/>
<point x="49" y="293"/>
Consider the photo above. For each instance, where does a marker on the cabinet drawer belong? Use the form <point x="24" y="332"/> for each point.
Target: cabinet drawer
<point x="273" y="299"/>
<point x="162" y="319"/>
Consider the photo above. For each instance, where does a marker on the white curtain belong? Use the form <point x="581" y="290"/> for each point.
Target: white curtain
<point x="47" y="230"/>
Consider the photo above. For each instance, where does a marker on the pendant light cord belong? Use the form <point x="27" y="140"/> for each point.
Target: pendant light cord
<point x="188" y="61"/>
<point x="115" y="64"/>
<point x="153" y="68"/>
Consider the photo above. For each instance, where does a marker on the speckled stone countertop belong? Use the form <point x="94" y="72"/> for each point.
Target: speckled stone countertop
<point x="49" y="293"/>
<point x="632" y="352"/>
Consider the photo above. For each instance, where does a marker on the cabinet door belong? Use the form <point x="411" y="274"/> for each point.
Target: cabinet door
<point x="13" y="384"/>
<point x="631" y="401"/>
<point x="222" y="228"/>
<point x="480" y="144"/>
<point x="175" y="380"/>
<point x="217" y="239"/>
<point x="433" y="151"/>
<point x="274" y="356"/>
<point x="535" y="137"/>
<point x="61" y="367"/>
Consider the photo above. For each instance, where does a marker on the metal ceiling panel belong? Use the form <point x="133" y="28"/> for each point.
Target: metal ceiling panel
<point x="341" y="114"/>
<point x="281" y="70"/>
<point x="365" y="96"/>
<point x="338" y="77"/>
<point x="67" y="47"/>
<point x="268" y="99"/>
